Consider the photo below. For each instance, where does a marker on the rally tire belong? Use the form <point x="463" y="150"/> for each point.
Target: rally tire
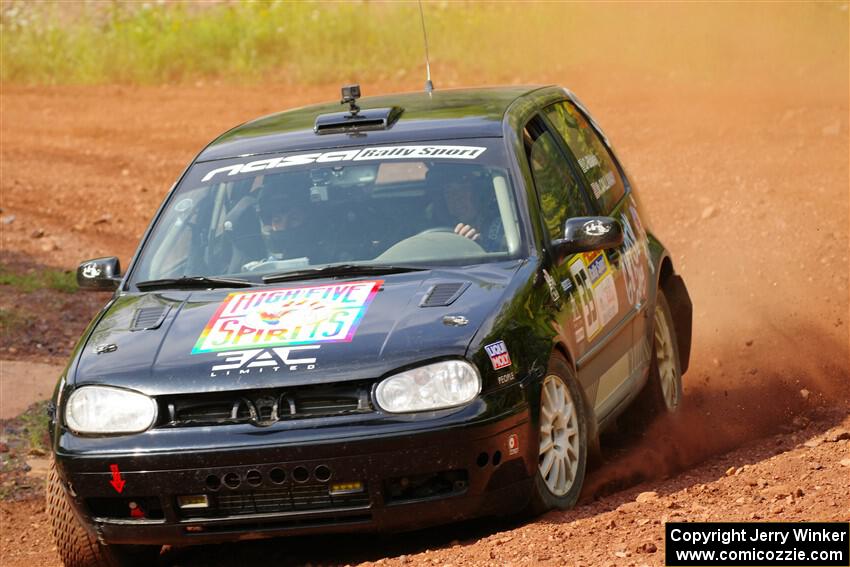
<point x="562" y="440"/>
<point x="76" y="547"/>
<point x="667" y="372"/>
<point x="662" y="393"/>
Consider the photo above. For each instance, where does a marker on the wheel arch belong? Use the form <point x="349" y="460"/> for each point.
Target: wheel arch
<point x="680" y="306"/>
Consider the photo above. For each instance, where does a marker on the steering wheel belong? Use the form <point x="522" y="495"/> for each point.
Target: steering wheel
<point x="438" y="229"/>
<point x="432" y="244"/>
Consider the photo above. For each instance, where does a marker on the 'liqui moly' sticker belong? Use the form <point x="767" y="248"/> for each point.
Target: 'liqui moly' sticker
<point x="499" y="355"/>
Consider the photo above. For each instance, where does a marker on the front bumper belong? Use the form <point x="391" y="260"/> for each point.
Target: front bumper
<point x="413" y="473"/>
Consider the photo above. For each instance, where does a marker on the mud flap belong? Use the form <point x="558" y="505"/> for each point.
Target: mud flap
<point x="682" y="311"/>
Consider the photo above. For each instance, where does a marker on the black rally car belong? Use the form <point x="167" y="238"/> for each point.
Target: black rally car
<point x="407" y="310"/>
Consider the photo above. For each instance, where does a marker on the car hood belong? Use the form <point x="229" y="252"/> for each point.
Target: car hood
<point x="173" y="342"/>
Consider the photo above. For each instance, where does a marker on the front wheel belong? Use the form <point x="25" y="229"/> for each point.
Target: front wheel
<point x="562" y="440"/>
<point x="76" y="547"/>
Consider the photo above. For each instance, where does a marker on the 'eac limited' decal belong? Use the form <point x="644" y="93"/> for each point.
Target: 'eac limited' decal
<point x="293" y="316"/>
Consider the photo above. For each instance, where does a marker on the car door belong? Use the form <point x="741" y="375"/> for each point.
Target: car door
<point x="611" y="196"/>
<point x="584" y="287"/>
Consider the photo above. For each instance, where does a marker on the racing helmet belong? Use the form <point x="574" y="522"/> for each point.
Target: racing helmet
<point x="283" y="208"/>
<point x="453" y="181"/>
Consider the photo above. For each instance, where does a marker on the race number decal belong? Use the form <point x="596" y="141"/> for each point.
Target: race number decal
<point x="284" y="317"/>
<point x="596" y="290"/>
<point x="585" y="294"/>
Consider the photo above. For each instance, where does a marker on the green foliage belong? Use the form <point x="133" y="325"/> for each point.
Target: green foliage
<point x="36" y="423"/>
<point x="52" y="42"/>
<point x="152" y="43"/>
<point x="11" y="319"/>
<point x="59" y="280"/>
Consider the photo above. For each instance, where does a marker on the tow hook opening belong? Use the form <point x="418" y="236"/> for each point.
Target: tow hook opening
<point x="433" y="485"/>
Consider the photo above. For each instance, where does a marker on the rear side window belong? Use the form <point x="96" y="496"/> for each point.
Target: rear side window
<point x="592" y="155"/>
<point x="561" y="196"/>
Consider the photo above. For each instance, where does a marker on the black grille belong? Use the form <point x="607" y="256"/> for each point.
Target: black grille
<point x="443" y="294"/>
<point x="266" y="407"/>
<point x="148" y="318"/>
<point x="292" y="498"/>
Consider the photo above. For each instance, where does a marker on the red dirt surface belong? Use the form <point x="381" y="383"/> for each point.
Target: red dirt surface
<point x="746" y="181"/>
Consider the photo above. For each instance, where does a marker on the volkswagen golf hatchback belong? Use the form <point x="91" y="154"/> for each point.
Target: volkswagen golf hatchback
<point x="402" y="311"/>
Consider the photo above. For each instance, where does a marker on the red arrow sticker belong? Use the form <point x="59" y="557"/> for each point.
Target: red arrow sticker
<point x="116" y="481"/>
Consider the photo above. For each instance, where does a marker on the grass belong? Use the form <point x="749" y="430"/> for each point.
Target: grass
<point x="35" y="426"/>
<point x="59" y="280"/>
<point x="153" y="43"/>
<point x="301" y="43"/>
<point x="11" y="319"/>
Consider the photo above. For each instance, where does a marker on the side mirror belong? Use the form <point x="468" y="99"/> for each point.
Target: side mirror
<point x="100" y="274"/>
<point x="583" y="234"/>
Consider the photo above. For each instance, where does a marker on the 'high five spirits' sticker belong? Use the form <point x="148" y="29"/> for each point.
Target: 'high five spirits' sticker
<point x="282" y="317"/>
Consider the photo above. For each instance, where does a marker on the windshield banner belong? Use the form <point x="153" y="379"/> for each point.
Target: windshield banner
<point x="294" y="316"/>
<point x="371" y="153"/>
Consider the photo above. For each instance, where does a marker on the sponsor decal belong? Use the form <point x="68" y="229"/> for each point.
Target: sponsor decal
<point x="597" y="292"/>
<point x="585" y="296"/>
<point x="286" y="317"/>
<point x="262" y="359"/>
<point x="578" y="326"/>
<point x="91" y="270"/>
<point x="605" y="293"/>
<point x="588" y="162"/>
<point x="499" y="356"/>
<point x="505" y="378"/>
<point x="513" y="444"/>
<point x="553" y="287"/>
<point x="601" y="185"/>
<point x="597" y="265"/>
<point x="635" y="252"/>
<point x="639" y="355"/>
<point x="374" y="153"/>
<point x="595" y="228"/>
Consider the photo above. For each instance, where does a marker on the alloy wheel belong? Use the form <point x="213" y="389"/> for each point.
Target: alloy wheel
<point x="559" y="436"/>
<point x="664" y="354"/>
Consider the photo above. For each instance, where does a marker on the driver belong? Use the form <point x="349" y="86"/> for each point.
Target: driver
<point x="464" y="192"/>
<point x="284" y="222"/>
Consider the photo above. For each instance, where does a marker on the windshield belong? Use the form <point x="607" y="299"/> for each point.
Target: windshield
<point x="436" y="204"/>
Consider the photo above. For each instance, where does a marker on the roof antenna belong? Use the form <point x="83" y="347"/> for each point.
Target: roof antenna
<point x="429" y="86"/>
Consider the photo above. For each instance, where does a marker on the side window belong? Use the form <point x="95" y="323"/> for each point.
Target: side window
<point x="561" y="197"/>
<point x="593" y="158"/>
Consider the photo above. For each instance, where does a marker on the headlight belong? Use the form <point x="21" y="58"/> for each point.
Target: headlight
<point x="104" y="410"/>
<point x="435" y="386"/>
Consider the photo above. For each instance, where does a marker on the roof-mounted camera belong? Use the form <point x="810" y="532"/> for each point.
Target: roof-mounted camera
<point x="356" y="120"/>
<point x="350" y="94"/>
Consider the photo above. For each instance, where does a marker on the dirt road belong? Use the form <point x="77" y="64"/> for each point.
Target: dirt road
<point x="746" y="181"/>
